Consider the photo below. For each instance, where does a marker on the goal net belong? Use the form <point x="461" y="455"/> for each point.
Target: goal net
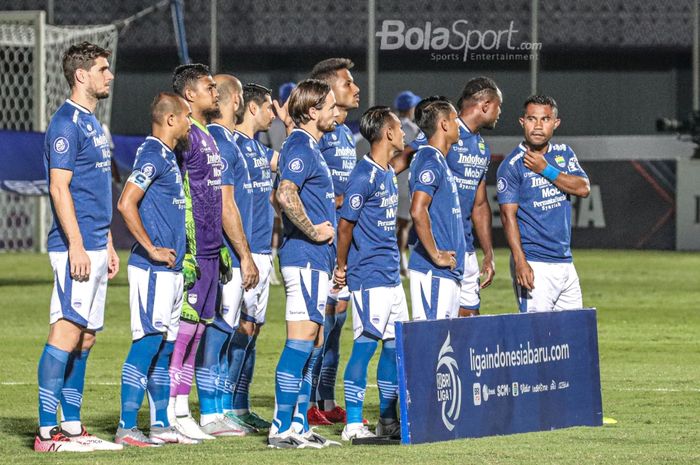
<point x="32" y="87"/>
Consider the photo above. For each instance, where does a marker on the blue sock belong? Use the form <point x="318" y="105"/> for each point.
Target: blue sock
<point x="328" y="325"/>
<point x="237" y="353"/>
<point x="50" y="374"/>
<point x="388" y="381"/>
<point x="207" y="365"/>
<point x="241" y="402"/>
<point x="224" y="388"/>
<point x="73" y="385"/>
<point x="355" y="378"/>
<point x="329" y="365"/>
<point x="300" y="416"/>
<point x="135" y="377"/>
<point x="288" y="380"/>
<point x="159" y="385"/>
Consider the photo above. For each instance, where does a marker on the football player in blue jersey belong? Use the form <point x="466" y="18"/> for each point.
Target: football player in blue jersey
<point x="338" y="149"/>
<point x="369" y="264"/>
<point x="78" y="163"/>
<point x="479" y="108"/>
<point x="306" y="196"/>
<point x="257" y="116"/>
<point x="534" y="186"/>
<point x="436" y="265"/>
<point x="153" y="207"/>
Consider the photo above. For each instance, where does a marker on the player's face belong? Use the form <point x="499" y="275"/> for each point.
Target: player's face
<point x="181" y="125"/>
<point x="452" y="133"/>
<point x="539" y="123"/>
<point x="347" y="94"/>
<point x="325" y="121"/>
<point x="98" y="78"/>
<point x="396" y="131"/>
<point x="205" y="96"/>
<point x="492" y="112"/>
<point x="265" y="115"/>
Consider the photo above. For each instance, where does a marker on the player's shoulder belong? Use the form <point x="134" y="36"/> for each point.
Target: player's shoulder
<point x="219" y="133"/>
<point x="515" y="156"/>
<point x="66" y="117"/>
<point x="300" y="142"/>
<point x="427" y="156"/>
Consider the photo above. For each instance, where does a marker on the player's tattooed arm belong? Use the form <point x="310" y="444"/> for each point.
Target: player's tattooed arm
<point x="402" y="161"/>
<point x="524" y="275"/>
<point x="481" y="217"/>
<point x="421" y="222"/>
<point x="290" y="203"/>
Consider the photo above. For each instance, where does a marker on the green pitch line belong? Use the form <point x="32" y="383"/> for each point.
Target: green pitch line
<point x="649" y="315"/>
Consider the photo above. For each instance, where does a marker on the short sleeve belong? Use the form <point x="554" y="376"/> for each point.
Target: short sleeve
<point x="148" y="166"/>
<point x="418" y="141"/>
<point x="298" y="167"/>
<point x="228" y="152"/>
<point x="428" y="173"/>
<point x="573" y="167"/>
<point x="508" y="183"/>
<point x="64" y="145"/>
<point x="269" y="153"/>
<point x="358" y="190"/>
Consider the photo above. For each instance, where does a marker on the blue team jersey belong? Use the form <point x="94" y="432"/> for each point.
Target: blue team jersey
<point x="258" y="161"/>
<point x="235" y="173"/>
<point x="544" y="212"/>
<point x="371" y="200"/>
<point x="338" y="149"/>
<point x="162" y="209"/>
<point x="75" y="142"/>
<point x="301" y="162"/>
<point x="429" y="173"/>
<point x="468" y="160"/>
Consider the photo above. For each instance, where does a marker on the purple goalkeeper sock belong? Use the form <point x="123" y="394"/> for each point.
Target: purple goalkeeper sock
<point x="185" y="335"/>
<point x="185" y="385"/>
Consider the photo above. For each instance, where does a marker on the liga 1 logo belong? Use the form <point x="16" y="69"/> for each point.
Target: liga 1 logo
<point x="449" y="386"/>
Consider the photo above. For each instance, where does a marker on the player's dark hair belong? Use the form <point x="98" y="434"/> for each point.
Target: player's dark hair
<point x="310" y="93"/>
<point x="372" y="122"/>
<point x="429" y="111"/>
<point x="542" y="100"/>
<point x="477" y="89"/>
<point x="326" y="70"/>
<point x="81" y="56"/>
<point x="164" y="104"/>
<point x="187" y="76"/>
<point x="255" y="93"/>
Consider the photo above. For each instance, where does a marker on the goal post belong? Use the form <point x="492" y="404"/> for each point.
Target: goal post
<point x="32" y="87"/>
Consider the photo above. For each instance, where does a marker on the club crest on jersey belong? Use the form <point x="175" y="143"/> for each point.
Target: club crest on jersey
<point x="334" y="137"/>
<point x="149" y="170"/>
<point x="426" y="177"/>
<point x="296" y="165"/>
<point x="460" y="142"/>
<point x="482" y="147"/>
<point x="61" y="145"/>
<point x="249" y="148"/>
<point x="356" y="201"/>
<point x="89" y="127"/>
<point x="560" y="161"/>
<point x="502" y="184"/>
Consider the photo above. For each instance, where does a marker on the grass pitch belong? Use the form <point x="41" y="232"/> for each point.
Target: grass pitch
<point x="649" y="335"/>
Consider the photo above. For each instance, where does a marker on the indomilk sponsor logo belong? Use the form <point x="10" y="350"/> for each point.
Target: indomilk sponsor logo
<point x="449" y="386"/>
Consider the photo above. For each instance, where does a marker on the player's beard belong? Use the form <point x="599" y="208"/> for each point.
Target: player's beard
<point x="212" y="113"/>
<point x="327" y="127"/>
<point x="102" y="95"/>
<point x="182" y="144"/>
<point x="239" y="113"/>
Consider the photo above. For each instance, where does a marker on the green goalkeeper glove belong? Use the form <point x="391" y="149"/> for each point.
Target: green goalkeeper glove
<point x="190" y="271"/>
<point x="225" y="263"/>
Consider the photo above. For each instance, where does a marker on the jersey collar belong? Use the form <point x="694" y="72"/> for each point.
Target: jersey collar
<point x="522" y="147"/>
<point x="200" y="125"/>
<point x="369" y="159"/>
<point x="160" y="142"/>
<point x="78" y="106"/>
<point x="306" y="133"/>
<point x="242" y="134"/>
<point x="226" y="130"/>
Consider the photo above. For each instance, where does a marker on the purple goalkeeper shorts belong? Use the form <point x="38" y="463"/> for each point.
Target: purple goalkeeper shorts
<point x="200" y="301"/>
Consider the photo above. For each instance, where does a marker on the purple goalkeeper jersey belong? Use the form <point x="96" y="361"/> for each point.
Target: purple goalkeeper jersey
<point x="201" y="166"/>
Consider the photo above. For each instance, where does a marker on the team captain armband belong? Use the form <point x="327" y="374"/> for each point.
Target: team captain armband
<point x="550" y="173"/>
<point x="143" y="177"/>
